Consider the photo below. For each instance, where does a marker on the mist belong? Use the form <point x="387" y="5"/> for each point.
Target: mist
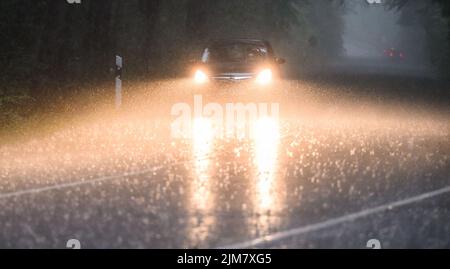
<point x="369" y="30"/>
<point x="409" y="30"/>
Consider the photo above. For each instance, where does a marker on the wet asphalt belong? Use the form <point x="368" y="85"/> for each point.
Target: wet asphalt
<point x="340" y="145"/>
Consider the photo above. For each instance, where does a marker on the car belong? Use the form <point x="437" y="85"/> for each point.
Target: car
<point x="237" y="60"/>
<point x="394" y="54"/>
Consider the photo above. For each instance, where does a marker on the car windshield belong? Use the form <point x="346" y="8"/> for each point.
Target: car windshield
<point x="235" y="52"/>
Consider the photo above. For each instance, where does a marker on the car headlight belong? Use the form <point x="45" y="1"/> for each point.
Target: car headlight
<point x="264" y="77"/>
<point x="200" y="77"/>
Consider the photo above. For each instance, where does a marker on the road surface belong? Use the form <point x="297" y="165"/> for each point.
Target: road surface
<point x="349" y="159"/>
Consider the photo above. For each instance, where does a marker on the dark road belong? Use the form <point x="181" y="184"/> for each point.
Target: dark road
<point x="348" y="160"/>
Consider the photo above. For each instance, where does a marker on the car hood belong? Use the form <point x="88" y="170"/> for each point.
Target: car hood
<point x="233" y="68"/>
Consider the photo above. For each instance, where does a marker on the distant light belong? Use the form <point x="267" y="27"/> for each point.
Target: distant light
<point x="264" y="77"/>
<point x="200" y="77"/>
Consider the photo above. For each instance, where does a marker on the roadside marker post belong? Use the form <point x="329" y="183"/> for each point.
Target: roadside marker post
<point x="119" y="66"/>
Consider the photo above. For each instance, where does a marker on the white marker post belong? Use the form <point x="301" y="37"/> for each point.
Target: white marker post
<point x="119" y="66"/>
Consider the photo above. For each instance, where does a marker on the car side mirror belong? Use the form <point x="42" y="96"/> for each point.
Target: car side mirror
<point x="280" y="60"/>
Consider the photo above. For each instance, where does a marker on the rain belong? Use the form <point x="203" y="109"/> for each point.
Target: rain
<point x="359" y="150"/>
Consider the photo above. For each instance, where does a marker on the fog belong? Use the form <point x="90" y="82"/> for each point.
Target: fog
<point x="371" y="32"/>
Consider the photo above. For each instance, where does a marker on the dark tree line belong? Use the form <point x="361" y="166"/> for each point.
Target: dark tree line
<point x="50" y="41"/>
<point x="48" y="45"/>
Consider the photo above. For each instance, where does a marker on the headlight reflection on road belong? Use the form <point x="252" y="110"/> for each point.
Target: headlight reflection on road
<point x="200" y="196"/>
<point x="203" y="138"/>
<point x="266" y="137"/>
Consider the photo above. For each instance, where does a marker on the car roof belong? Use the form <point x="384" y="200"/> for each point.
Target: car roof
<point x="258" y="42"/>
<point x="239" y="40"/>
